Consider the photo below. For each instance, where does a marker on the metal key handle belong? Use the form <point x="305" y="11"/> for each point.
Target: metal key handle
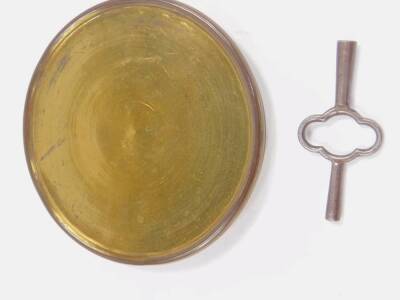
<point x="345" y="69"/>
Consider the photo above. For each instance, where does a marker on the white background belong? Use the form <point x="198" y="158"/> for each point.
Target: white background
<point x="280" y="247"/>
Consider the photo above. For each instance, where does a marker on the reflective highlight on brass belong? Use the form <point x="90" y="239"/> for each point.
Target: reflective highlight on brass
<point x="143" y="130"/>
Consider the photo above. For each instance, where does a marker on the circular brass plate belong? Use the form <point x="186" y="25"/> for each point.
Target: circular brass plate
<point x="143" y="130"/>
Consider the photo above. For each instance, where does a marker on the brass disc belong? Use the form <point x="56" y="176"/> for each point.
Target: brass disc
<point x="143" y="130"/>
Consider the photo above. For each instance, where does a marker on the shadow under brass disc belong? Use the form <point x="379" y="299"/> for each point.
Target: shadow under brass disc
<point x="143" y="130"/>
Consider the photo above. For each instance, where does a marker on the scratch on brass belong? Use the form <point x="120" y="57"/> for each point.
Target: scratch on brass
<point x="52" y="149"/>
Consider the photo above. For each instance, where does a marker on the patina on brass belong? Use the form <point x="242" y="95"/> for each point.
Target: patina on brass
<point x="143" y="130"/>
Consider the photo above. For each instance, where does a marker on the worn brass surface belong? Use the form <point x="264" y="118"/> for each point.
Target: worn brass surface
<point x="141" y="131"/>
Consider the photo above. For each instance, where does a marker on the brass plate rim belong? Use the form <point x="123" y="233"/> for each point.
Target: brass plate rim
<point x="258" y="118"/>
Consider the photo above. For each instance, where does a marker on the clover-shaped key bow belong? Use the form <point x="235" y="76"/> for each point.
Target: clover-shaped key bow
<point x="345" y="67"/>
